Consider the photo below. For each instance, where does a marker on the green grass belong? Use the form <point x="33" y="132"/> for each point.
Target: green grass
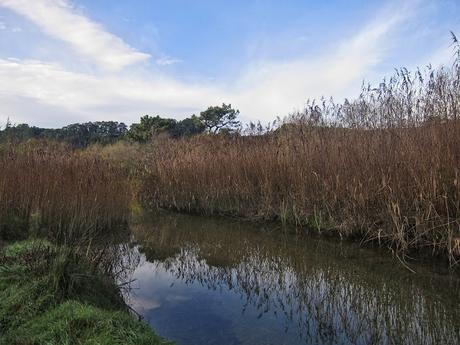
<point x="49" y="295"/>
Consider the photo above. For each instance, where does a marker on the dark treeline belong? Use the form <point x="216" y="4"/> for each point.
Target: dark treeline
<point x="214" y="119"/>
<point x="78" y="134"/>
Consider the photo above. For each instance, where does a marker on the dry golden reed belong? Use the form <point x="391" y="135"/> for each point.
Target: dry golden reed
<point x="63" y="194"/>
<point x="384" y="167"/>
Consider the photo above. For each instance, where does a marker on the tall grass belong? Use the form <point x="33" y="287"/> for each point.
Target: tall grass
<point x="383" y="167"/>
<point x="58" y="193"/>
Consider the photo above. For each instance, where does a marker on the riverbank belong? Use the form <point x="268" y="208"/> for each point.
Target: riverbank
<point x="52" y="295"/>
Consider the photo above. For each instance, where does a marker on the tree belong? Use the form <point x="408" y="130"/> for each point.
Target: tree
<point x="188" y="127"/>
<point x="216" y="119"/>
<point x="149" y="127"/>
<point x="77" y="134"/>
<point x="21" y="132"/>
<point x="84" y="134"/>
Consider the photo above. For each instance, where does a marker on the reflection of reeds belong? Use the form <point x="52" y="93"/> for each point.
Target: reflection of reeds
<point x="327" y="299"/>
<point x="58" y="193"/>
<point x="382" y="167"/>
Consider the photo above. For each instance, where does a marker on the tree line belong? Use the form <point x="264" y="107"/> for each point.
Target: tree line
<point x="215" y="119"/>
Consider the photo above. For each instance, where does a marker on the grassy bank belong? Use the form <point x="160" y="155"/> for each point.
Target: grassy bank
<point x="50" y="295"/>
<point x="384" y="167"/>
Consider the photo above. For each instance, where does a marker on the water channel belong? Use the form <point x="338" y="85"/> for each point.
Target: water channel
<point x="216" y="281"/>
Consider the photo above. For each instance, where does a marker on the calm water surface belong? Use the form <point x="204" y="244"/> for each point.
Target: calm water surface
<point x="207" y="281"/>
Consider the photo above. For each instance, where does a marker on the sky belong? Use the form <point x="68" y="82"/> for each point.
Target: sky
<point x="68" y="61"/>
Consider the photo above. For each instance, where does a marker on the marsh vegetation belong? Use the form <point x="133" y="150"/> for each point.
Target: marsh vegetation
<point x="384" y="168"/>
<point x="52" y="191"/>
<point x="380" y="169"/>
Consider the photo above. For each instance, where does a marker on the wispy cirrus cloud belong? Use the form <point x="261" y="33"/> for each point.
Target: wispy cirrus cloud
<point x="61" y="20"/>
<point x="277" y="88"/>
<point x="167" y="61"/>
<point x="46" y="93"/>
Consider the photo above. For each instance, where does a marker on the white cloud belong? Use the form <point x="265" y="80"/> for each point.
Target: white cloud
<point x="92" y="97"/>
<point x="166" y="61"/>
<point x="270" y="89"/>
<point x="61" y="20"/>
<point x="46" y="93"/>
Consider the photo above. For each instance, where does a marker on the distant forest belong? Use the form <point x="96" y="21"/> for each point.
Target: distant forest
<point x="217" y="119"/>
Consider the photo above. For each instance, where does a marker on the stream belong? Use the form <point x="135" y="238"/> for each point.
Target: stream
<point x="216" y="281"/>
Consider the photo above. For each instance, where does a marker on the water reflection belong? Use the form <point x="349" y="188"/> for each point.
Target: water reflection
<point x="205" y="281"/>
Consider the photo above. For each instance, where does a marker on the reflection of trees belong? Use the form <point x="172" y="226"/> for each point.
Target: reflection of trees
<point x="331" y="301"/>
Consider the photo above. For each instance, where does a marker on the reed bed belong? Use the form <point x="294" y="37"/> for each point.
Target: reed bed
<point x="68" y="196"/>
<point x="68" y="289"/>
<point x="383" y="167"/>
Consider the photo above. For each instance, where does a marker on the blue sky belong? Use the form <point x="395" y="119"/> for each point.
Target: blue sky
<point x="64" y="61"/>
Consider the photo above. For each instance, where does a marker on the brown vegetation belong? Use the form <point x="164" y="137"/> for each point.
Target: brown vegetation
<point x="63" y="194"/>
<point x="384" y="167"/>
